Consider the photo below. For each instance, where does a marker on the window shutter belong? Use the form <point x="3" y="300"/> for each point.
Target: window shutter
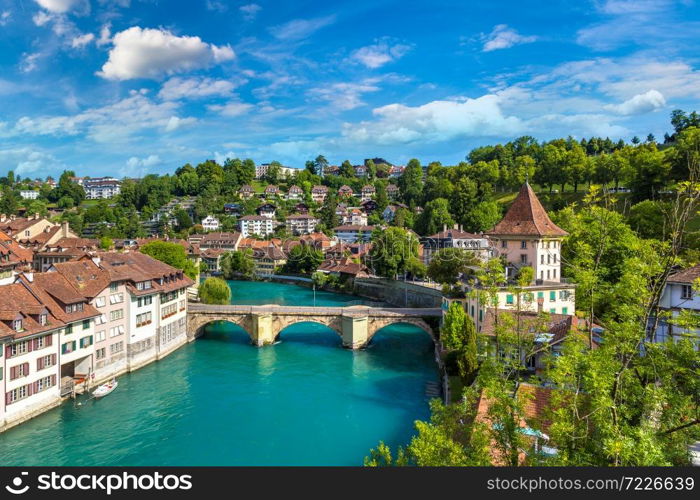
<point x="53" y="360"/>
<point x="13" y="372"/>
<point x="8" y="397"/>
<point x="49" y="340"/>
<point x="8" y="351"/>
<point x="39" y="364"/>
<point x="30" y="389"/>
<point x="26" y="369"/>
<point x="53" y="379"/>
<point x="30" y="345"/>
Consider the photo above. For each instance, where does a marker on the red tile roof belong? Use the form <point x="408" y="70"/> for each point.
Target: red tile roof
<point x="527" y="217"/>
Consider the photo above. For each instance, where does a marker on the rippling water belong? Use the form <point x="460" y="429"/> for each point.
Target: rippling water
<point x="221" y="401"/>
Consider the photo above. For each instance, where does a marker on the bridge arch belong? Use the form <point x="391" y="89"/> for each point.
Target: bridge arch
<point x="198" y="322"/>
<point x="282" y="322"/>
<point x="376" y="324"/>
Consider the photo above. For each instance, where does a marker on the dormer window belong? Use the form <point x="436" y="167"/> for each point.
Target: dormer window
<point x="143" y="285"/>
<point x="43" y="319"/>
<point x="17" y="325"/>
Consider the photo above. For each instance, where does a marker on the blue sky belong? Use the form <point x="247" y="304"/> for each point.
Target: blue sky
<point x="128" y="87"/>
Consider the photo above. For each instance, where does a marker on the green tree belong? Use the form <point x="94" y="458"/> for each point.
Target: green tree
<point x="106" y="243"/>
<point x="411" y="183"/>
<point x="239" y="262"/>
<point x="182" y="219"/>
<point x="435" y="216"/>
<point x="347" y="170"/>
<point x="172" y="254"/>
<point x="395" y="252"/>
<point x="215" y="291"/>
<point x="449" y="263"/>
<point x="303" y="259"/>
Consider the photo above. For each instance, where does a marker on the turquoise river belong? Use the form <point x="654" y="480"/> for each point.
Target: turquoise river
<point x="221" y="401"/>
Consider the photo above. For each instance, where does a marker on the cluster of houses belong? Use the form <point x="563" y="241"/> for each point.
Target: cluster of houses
<point x="97" y="188"/>
<point x="72" y="316"/>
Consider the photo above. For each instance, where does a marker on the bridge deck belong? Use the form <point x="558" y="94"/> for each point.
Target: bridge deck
<point x="315" y="311"/>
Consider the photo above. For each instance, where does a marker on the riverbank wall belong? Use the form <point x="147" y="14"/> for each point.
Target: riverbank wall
<point x="398" y="293"/>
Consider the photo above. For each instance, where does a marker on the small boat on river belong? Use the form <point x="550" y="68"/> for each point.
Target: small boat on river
<point x="105" y="389"/>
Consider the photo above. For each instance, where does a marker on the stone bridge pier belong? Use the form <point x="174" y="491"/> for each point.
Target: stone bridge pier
<point x="355" y="325"/>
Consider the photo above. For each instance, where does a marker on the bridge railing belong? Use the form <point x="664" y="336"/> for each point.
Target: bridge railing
<point x="325" y="311"/>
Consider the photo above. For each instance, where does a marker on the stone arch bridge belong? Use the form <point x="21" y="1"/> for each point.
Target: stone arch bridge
<point x="356" y="325"/>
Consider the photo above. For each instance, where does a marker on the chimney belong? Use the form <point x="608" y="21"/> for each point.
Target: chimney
<point x="64" y="229"/>
<point x="96" y="260"/>
<point x="455" y="227"/>
<point x="29" y="276"/>
<point x="444" y="227"/>
<point x="3" y="217"/>
<point x="36" y="216"/>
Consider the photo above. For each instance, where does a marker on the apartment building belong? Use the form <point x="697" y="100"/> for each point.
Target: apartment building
<point x="319" y="194"/>
<point x="368" y="192"/>
<point x="255" y="225"/>
<point x="301" y="224"/>
<point x="455" y="237"/>
<point x="295" y="193"/>
<point x="351" y="234"/>
<point x="101" y="188"/>
<point x="29" y="194"/>
<point x="46" y="332"/>
<point x="210" y="223"/>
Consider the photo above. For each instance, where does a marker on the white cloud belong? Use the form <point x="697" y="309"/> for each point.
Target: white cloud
<point x="435" y="121"/>
<point x="632" y="6"/>
<point x="105" y="35"/>
<point x="231" y="108"/>
<point x="298" y="29"/>
<point x="196" y="87"/>
<point x="658" y="23"/>
<point x="216" y="6"/>
<point x="151" y="53"/>
<point x="59" y="6"/>
<point x="221" y="158"/>
<point x="81" y="41"/>
<point x="5" y="17"/>
<point x="29" y="62"/>
<point x="117" y="122"/>
<point x="652" y="100"/>
<point x="41" y="18"/>
<point x="149" y="161"/>
<point x="250" y="11"/>
<point x="344" y="96"/>
<point x="503" y="37"/>
<point x="374" y="56"/>
<point x="28" y="161"/>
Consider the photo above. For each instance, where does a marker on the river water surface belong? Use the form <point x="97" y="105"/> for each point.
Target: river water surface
<point x="221" y="401"/>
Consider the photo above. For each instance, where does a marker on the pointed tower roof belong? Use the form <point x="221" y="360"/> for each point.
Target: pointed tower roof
<point x="527" y="217"/>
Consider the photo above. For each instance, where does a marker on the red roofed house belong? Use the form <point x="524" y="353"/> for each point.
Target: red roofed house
<point x="345" y="191"/>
